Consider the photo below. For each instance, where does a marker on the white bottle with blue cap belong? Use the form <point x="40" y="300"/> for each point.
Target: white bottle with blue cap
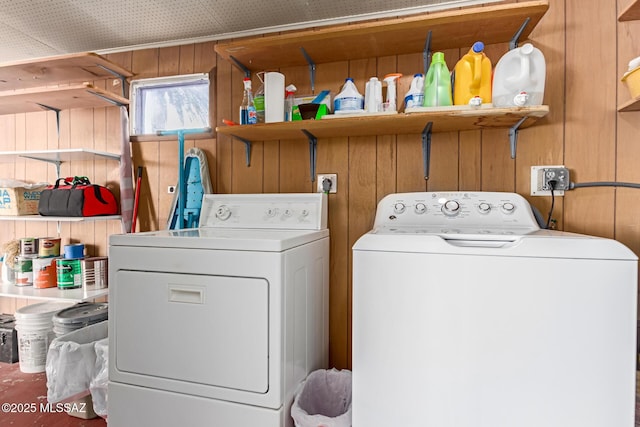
<point x="349" y="100"/>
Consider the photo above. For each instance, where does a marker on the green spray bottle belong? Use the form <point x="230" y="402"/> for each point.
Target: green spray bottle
<point x="437" y="83"/>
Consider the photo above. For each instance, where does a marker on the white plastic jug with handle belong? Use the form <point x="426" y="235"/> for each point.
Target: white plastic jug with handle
<point x="519" y="78"/>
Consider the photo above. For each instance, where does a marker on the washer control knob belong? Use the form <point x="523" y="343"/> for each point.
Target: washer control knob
<point x="270" y="212"/>
<point x="399" y="208"/>
<point x="508" y="207"/>
<point x="223" y="212"/>
<point x="287" y="213"/>
<point x="420" y="208"/>
<point x="484" y="207"/>
<point x="304" y="213"/>
<point x="451" y="208"/>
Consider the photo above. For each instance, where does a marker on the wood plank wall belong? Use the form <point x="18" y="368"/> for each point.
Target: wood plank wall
<point x="585" y="61"/>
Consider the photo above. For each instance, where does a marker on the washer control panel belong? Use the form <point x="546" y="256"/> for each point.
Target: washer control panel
<point x="450" y="212"/>
<point x="306" y="211"/>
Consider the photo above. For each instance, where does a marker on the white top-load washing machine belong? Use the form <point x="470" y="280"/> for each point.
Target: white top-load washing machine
<point x="217" y="326"/>
<point x="466" y="314"/>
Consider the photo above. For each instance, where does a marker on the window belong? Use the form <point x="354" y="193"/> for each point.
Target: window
<point x="169" y="103"/>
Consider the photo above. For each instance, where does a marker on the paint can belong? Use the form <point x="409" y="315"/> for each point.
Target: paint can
<point x="69" y="273"/>
<point x="94" y="273"/>
<point x="44" y="273"/>
<point x="74" y="251"/>
<point x="24" y="270"/>
<point x="34" y="324"/>
<point x="48" y="247"/>
<point x="28" y="246"/>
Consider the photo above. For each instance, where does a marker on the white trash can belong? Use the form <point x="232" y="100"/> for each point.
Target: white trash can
<point x="324" y="399"/>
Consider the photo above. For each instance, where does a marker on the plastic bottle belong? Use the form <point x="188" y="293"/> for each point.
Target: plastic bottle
<point x="349" y="99"/>
<point x="472" y="77"/>
<point x="373" y="95"/>
<point x="437" y="84"/>
<point x="248" y="114"/>
<point x="390" y="103"/>
<point x="258" y="99"/>
<point x="519" y="78"/>
<point x="289" y="99"/>
<point x="415" y="95"/>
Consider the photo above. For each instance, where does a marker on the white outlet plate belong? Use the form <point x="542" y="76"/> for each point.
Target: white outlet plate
<point x="536" y="181"/>
<point x="334" y="182"/>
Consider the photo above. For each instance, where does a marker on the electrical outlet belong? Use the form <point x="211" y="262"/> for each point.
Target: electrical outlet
<point x="541" y="175"/>
<point x="171" y="189"/>
<point x="333" y="177"/>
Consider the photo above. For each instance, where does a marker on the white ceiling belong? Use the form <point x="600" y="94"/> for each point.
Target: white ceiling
<point x="39" y="28"/>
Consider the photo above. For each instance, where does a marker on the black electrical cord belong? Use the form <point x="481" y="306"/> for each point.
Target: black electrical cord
<point x="552" y="185"/>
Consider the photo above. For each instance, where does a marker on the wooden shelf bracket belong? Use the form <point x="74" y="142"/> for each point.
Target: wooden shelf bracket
<point x="313" y="153"/>
<point x="513" y="136"/>
<point x="426" y="149"/>
<point x="516" y="37"/>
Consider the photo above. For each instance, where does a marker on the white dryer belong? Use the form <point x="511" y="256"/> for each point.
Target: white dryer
<point x="466" y="314"/>
<point x="219" y="325"/>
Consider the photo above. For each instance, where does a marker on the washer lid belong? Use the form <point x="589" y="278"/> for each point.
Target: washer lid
<point x="262" y="240"/>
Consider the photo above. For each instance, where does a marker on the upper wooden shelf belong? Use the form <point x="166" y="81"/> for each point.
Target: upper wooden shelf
<point x="631" y="105"/>
<point x="59" y="98"/>
<point x="444" y="120"/>
<point x="57" y="156"/>
<point x="631" y="13"/>
<point x="63" y="69"/>
<point x="395" y="36"/>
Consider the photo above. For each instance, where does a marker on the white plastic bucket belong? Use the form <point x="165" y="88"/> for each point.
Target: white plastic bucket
<point x="34" y="324"/>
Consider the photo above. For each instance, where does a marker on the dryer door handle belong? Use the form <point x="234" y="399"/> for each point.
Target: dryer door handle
<point x="186" y="294"/>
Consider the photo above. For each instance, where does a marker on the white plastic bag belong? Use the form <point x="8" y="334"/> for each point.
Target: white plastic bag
<point x="100" y="380"/>
<point x="71" y="362"/>
<point x="324" y="400"/>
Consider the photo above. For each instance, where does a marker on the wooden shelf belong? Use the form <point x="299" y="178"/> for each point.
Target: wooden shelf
<point x="57" y="156"/>
<point x="71" y="295"/>
<point x="444" y="120"/>
<point x="631" y="13"/>
<point x="396" y="36"/>
<point x="58" y="98"/>
<point x="631" y="105"/>
<point x="63" y="69"/>
<point x="60" y="218"/>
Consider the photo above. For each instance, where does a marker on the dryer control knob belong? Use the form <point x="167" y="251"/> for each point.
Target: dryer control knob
<point x="420" y="208"/>
<point x="399" y="208"/>
<point x="484" y="207"/>
<point x="223" y="212"/>
<point x="451" y="208"/>
<point x="508" y="207"/>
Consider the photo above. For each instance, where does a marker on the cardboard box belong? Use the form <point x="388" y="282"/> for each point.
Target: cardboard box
<point x="20" y="200"/>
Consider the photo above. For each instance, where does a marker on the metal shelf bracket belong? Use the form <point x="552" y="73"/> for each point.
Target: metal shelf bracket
<point x="426" y="53"/>
<point x="514" y="40"/>
<point x="240" y="65"/>
<point x="123" y="79"/>
<point x="312" y="69"/>
<point x="247" y="149"/>
<point x="313" y="153"/>
<point x="513" y="136"/>
<point x="57" y="111"/>
<point x="426" y="149"/>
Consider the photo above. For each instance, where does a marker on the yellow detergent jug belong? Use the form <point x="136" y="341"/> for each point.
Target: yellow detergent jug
<point x="472" y="84"/>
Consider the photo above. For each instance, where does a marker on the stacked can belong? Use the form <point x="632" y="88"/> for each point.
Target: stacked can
<point x="24" y="261"/>
<point x="69" y="268"/>
<point x="44" y="267"/>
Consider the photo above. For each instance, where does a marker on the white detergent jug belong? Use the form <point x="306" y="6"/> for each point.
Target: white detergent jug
<point x="415" y="95"/>
<point x="519" y="78"/>
<point x="349" y="100"/>
<point x="373" y="95"/>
